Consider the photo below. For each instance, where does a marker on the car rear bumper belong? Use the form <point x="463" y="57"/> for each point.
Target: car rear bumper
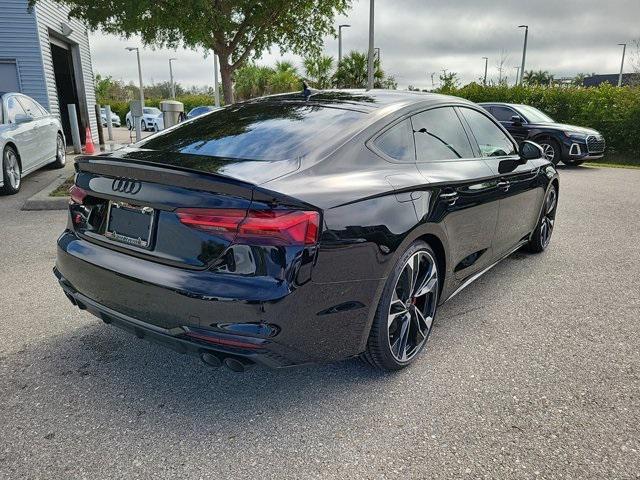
<point x="260" y="321"/>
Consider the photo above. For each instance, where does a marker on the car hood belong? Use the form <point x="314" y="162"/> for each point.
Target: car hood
<point x="566" y="128"/>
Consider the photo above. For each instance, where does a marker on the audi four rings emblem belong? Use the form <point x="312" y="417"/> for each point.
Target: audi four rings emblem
<point x="126" y="185"/>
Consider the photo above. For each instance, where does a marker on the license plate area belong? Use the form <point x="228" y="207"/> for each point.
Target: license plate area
<point x="130" y="224"/>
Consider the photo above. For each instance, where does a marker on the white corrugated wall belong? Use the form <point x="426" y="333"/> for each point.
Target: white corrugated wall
<point x="50" y="17"/>
<point x="19" y="44"/>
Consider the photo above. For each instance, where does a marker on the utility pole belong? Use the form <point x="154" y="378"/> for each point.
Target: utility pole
<point x="139" y="122"/>
<point x="524" y="50"/>
<point x="486" y="63"/>
<point x="370" y="59"/>
<point x="173" y="86"/>
<point x="624" y="50"/>
<point x="216" y="93"/>
<point x="517" y="74"/>
<point x="340" y="27"/>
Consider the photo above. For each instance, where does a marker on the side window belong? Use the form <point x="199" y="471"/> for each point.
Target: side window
<point x="30" y="107"/>
<point x="13" y="109"/>
<point x="502" y="114"/>
<point x="491" y="140"/>
<point x="439" y="135"/>
<point x="397" y="142"/>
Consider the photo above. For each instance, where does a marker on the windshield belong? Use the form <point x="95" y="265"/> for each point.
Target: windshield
<point x="534" y="115"/>
<point x="257" y="131"/>
<point x="152" y="111"/>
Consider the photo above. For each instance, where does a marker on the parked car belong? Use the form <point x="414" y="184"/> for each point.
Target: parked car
<point x="30" y="138"/>
<point x="151" y="119"/>
<point x="290" y="229"/>
<point x="115" y="119"/>
<point x="197" y="111"/>
<point x="567" y="143"/>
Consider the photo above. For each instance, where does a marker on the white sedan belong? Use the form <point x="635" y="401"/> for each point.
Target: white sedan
<point x="151" y="119"/>
<point x="30" y="138"/>
<point x="115" y="119"/>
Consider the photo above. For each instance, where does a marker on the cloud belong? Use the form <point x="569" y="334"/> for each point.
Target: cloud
<point x="419" y="37"/>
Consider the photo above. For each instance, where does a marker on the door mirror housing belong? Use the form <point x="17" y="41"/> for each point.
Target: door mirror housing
<point x="22" y="118"/>
<point x="530" y="151"/>
<point x="517" y="120"/>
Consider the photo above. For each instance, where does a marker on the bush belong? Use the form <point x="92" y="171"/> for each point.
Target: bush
<point x="613" y="111"/>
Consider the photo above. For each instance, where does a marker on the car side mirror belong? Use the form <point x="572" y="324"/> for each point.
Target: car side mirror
<point x="517" y="120"/>
<point x="22" y="118"/>
<point x="530" y="151"/>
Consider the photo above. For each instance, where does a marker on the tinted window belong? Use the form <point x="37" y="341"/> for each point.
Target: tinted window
<point x="439" y="135"/>
<point x="30" y="106"/>
<point x="502" y="114"/>
<point x="258" y="131"/>
<point x="491" y="139"/>
<point x="13" y="109"/>
<point x="397" y="142"/>
<point x="534" y="115"/>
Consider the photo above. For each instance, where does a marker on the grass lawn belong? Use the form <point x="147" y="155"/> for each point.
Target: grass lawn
<point x="63" y="190"/>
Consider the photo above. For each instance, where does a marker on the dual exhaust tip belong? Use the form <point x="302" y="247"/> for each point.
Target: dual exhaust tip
<point x="233" y="364"/>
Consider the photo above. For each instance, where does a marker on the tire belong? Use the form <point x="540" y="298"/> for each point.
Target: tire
<point x="11" y="171"/>
<point x="541" y="236"/>
<point x="128" y="124"/>
<point x="406" y="310"/>
<point x="143" y="126"/>
<point x="551" y="149"/>
<point x="61" y="155"/>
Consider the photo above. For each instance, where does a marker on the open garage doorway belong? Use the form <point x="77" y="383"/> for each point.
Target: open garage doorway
<point x="66" y="87"/>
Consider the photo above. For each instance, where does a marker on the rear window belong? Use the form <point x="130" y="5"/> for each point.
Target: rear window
<point x="257" y="131"/>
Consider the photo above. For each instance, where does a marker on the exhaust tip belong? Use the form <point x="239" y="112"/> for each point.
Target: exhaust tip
<point x="211" y="360"/>
<point x="236" y="365"/>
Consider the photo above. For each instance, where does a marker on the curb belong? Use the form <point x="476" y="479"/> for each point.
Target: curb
<point x="42" y="200"/>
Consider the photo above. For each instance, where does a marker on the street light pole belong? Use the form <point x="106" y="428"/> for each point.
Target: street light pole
<point x="139" y="122"/>
<point x="173" y="86"/>
<point x="216" y="93"/>
<point x="340" y="27"/>
<point x="517" y="74"/>
<point x="486" y="63"/>
<point x="370" y="59"/>
<point x="377" y="49"/>
<point x="624" y="50"/>
<point x="524" y="50"/>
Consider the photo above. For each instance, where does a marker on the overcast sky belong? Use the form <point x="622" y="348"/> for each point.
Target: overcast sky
<point x="418" y="37"/>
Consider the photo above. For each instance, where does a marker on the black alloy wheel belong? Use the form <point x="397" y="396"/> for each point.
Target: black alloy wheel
<point x="542" y="234"/>
<point x="406" y="311"/>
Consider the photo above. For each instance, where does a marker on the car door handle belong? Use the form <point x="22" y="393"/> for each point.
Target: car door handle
<point x="449" y="196"/>
<point x="504" y="185"/>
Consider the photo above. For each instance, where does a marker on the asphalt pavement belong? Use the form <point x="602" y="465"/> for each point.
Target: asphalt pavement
<point x="531" y="372"/>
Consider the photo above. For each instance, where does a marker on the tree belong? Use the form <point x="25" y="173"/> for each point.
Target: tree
<point x="352" y="72"/>
<point x="318" y="70"/>
<point x="284" y="78"/>
<point x="448" y="81"/>
<point x="541" y="77"/>
<point x="236" y="30"/>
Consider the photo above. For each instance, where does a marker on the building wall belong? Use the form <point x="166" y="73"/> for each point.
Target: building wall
<point x="50" y="17"/>
<point x="19" y="43"/>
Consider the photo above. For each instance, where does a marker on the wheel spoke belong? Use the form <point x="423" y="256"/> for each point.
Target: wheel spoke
<point x="424" y="322"/>
<point x="428" y="284"/>
<point x="402" y="340"/>
<point x="397" y="308"/>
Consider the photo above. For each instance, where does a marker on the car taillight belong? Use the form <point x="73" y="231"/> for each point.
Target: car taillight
<point x="77" y="194"/>
<point x="256" y="227"/>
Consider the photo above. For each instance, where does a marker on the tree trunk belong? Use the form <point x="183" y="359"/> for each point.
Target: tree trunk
<point x="226" y="74"/>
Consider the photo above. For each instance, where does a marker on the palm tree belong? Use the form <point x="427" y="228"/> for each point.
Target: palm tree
<point x="541" y="77"/>
<point x="318" y="70"/>
<point x="284" y="78"/>
<point x="352" y="72"/>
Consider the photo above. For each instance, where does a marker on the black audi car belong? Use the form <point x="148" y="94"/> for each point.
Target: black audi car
<point x="298" y="229"/>
<point x="560" y="142"/>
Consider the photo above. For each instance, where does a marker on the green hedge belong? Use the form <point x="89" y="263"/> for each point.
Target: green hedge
<point x="613" y="111"/>
<point x="190" y="101"/>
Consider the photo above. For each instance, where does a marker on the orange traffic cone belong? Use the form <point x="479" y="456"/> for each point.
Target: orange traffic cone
<point x="88" y="144"/>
